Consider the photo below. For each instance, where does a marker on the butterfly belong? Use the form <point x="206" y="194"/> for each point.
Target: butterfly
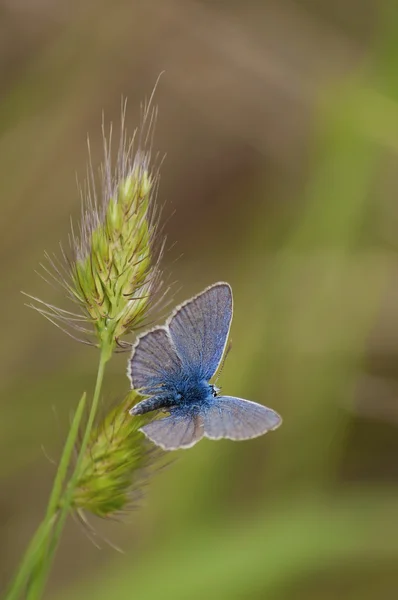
<point x="173" y="365"/>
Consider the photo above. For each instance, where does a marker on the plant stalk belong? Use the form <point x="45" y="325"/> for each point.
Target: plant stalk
<point x="37" y="585"/>
<point x="41" y="539"/>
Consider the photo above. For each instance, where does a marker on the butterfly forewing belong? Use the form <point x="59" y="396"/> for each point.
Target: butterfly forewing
<point x="154" y="363"/>
<point x="238" y="419"/>
<point x="199" y="330"/>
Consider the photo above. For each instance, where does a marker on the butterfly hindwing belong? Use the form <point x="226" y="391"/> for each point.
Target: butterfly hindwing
<point x="175" y="431"/>
<point x="199" y="330"/>
<point x="237" y="419"/>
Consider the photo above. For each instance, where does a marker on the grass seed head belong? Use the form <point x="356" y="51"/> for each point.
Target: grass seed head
<point x="116" y="464"/>
<point x="113" y="275"/>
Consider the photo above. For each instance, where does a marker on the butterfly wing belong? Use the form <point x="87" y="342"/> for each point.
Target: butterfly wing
<point x="154" y="363"/>
<point x="238" y="419"/>
<point x="199" y="330"/>
<point x="228" y="417"/>
<point x="175" y="431"/>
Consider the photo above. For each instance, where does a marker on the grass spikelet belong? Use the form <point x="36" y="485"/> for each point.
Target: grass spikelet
<point x="116" y="463"/>
<point x="113" y="275"/>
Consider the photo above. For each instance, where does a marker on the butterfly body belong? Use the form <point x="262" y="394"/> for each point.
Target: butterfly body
<point x="188" y="394"/>
<point x="173" y="366"/>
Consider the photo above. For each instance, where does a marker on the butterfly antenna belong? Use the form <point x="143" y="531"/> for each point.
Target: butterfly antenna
<point x="227" y="351"/>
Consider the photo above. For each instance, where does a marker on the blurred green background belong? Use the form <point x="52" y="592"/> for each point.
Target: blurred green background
<point x="280" y="124"/>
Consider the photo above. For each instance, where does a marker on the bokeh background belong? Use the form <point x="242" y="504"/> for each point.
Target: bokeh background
<point x="279" y="120"/>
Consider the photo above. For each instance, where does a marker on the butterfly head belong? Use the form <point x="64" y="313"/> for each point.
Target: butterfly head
<point x="215" y="390"/>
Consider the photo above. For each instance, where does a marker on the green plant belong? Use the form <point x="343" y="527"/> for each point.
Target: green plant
<point x="114" y="279"/>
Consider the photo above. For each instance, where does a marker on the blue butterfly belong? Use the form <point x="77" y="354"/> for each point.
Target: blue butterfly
<point x="173" y="365"/>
